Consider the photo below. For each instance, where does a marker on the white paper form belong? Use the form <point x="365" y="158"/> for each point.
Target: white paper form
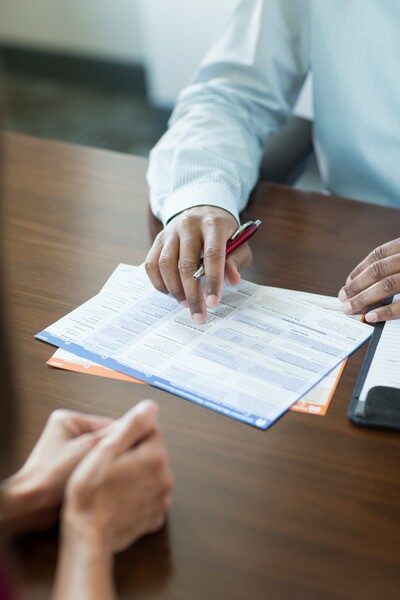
<point x="121" y="279"/>
<point x="385" y="366"/>
<point x="316" y="401"/>
<point x="256" y="355"/>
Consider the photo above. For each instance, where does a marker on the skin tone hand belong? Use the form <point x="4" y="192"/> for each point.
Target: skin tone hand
<point x="175" y="254"/>
<point x="376" y="278"/>
<point x="120" y="491"/>
<point x="31" y="498"/>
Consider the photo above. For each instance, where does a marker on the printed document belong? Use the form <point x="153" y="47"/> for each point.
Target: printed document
<point x="256" y="355"/>
<point x="315" y="402"/>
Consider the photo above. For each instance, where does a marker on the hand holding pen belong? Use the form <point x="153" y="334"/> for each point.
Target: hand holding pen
<point x="174" y="258"/>
<point x="237" y="239"/>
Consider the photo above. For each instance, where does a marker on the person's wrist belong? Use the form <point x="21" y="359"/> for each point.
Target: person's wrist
<point x="80" y="528"/>
<point x="20" y="500"/>
<point x="202" y="209"/>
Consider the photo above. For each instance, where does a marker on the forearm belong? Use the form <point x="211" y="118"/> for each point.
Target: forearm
<point x="23" y="505"/>
<point x="85" y="566"/>
<point x="210" y="155"/>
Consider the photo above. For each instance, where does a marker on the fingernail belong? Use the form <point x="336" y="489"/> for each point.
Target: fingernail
<point x="211" y="300"/>
<point x="185" y="304"/>
<point x="346" y="308"/>
<point x="371" y="317"/>
<point x="198" y="318"/>
<point x="342" y="295"/>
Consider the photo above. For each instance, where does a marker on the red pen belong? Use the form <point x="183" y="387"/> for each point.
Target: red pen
<point x="240" y="237"/>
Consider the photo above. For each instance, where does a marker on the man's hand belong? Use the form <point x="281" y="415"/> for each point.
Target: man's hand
<point x="377" y="277"/>
<point x="175" y="255"/>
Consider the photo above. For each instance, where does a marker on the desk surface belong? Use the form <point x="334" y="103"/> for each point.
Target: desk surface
<point x="307" y="510"/>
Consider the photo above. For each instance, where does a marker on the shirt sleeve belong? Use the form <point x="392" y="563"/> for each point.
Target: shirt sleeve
<point x="244" y="90"/>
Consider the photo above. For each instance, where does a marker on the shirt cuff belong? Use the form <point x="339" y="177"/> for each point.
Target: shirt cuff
<point x="210" y="193"/>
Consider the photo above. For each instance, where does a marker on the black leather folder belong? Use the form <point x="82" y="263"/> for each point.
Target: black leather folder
<point x="381" y="408"/>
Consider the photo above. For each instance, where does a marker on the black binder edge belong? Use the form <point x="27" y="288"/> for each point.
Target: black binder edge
<point x="355" y="415"/>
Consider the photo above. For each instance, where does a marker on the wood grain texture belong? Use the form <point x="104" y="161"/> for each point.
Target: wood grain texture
<point x="307" y="510"/>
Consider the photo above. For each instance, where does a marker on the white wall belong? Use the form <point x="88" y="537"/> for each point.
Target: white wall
<point x="107" y="28"/>
<point x="170" y="36"/>
<point x="176" y="35"/>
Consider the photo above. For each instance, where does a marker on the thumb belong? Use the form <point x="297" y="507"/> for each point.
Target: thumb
<point x="137" y="424"/>
<point x="236" y="262"/>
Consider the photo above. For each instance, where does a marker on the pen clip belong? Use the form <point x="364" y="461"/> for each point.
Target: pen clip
<point x="241" y="229"/>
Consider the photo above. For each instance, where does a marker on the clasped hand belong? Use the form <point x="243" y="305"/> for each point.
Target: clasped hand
<point x="93" y="466"/>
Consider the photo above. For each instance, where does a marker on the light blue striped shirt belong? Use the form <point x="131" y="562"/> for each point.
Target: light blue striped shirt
<point x="248" y="83"/>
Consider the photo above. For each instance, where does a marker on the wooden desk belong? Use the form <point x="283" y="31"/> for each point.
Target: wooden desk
<point x="307" y="510"/>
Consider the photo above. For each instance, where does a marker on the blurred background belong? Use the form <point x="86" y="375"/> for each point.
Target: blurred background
<point x="104" y="73"/>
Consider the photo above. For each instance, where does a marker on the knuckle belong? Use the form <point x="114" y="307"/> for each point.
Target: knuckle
<point x="358" y="302"/>
<point x="352" y="289"/>
<point x="165" y="261"/>
<point x="212" y="221"/>
<point x="188" y="220"/>
<point x="187" y="267"/>
<point x="378" y="254"/>
<point x="388" y="285"/>
<point x="377" y="269"/>
<point x="209" y="221"/>
<point x="149" y="266"/>
<point x="186" y="238"/>
<point x="388" y="313"/>
<point x="214" y="252"/>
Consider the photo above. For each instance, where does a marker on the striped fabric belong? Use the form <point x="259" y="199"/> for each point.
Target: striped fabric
<point x="248" y="83"/>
